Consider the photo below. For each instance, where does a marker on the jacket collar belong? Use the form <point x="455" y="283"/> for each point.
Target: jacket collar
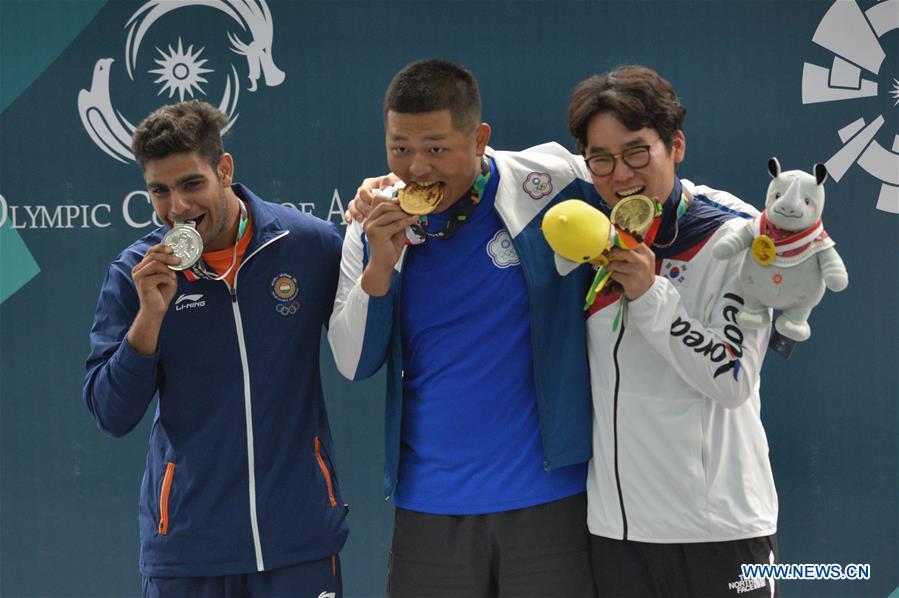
<point x="266" y="224"/>
<point x="696" y="224"/>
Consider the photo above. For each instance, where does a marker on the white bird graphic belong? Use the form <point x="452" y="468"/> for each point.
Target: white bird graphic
<point x="109" y="129"/>
<point x="253" y="16"/>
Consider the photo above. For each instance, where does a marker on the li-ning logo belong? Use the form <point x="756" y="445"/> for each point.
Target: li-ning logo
<point x="327" y="595"/>
<point x="854" y="38"/>
<point x="189" y="302"/>
<point x="179" y="70"/>
<point x="716" y="351"/>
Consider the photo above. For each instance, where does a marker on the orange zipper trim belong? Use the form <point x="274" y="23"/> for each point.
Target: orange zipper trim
<point x="324" y="468"/>
<point x="164" y="498"/>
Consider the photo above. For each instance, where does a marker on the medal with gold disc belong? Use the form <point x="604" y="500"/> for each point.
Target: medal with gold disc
<point x="634" y="214"/>
<point x="418" y="199"/>
<point x="763" y="247"/>
<point x="763" y="250"/>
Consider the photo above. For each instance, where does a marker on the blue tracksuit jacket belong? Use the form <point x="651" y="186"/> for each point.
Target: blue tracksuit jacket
<point x="365" y="331"/>
<point x="239" y="474"/>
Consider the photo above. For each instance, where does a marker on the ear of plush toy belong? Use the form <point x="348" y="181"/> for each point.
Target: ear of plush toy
<point x="820" y="173"/>
<point x="774" y="167"/>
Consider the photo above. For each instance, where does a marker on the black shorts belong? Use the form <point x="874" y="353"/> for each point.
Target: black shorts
<point x="317" y="578"/>
<point x="537" y="552"/>
<point x="626" y="569"/>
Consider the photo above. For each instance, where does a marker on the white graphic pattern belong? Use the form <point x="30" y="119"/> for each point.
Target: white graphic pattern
<point x="180" y="71"/>
<point x="853" y="37"/>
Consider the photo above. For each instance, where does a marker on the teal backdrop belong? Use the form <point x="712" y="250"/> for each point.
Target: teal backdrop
<point x="809" y="81"/>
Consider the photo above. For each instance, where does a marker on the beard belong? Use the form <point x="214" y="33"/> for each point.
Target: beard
<point x="218" y="231"/>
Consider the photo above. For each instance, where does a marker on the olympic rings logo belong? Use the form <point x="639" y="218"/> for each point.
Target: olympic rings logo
<point x="288" y="309"/>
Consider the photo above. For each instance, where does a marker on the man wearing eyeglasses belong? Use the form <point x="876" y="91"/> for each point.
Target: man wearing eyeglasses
<point x="680" y="490"/>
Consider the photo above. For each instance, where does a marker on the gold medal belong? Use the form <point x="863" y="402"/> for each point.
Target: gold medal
<point x="763" y="250"/>
<point x="420" y="199"/>
<point x="634" y="214"/>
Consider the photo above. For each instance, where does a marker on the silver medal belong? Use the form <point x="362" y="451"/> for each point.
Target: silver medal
<point x="186" y="244"/>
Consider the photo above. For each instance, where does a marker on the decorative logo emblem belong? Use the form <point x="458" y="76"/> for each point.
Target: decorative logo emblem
<point x="853" y="36"/>
<point x="284" y="287"/>
<point x="288" y="309"/>
<point x="538" y="184"/>
<point x="179" y="70"/>
<point x="501" y="250"/>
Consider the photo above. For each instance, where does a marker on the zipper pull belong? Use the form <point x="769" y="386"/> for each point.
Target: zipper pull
<point x="233" y="292"/>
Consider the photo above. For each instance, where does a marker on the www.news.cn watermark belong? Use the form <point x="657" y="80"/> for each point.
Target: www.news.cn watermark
<point x="807" y="571"/>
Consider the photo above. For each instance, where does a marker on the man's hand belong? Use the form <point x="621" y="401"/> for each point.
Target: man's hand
<point x="365" y="200"/>
<point x="385" y="231"/>
<point x="156" y="286"/>
<point x="634" y="269"/>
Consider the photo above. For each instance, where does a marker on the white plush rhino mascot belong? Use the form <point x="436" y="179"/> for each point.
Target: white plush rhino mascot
<point x="791" y="259"/>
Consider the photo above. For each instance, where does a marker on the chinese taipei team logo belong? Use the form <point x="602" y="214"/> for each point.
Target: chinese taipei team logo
<point x="501" y="251"/>
<point x="538" y="185"/>
<point x="176" y="61"/>
<point x="857" y="39"/>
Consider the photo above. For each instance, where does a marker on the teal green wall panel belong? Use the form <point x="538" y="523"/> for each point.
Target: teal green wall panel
<point x="68" y="493"/>
<point x="33" y="33"/>
<point x="17" y="266"/>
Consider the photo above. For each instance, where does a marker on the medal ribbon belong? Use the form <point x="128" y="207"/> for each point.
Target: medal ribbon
<point x="625" y="241"/>
<point x="462" y="209"/>
<point x="650" y="237"/>
<point x="792" y="243"/>
<point x="200" y="270"/>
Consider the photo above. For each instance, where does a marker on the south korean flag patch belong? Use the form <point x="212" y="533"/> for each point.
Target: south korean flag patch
<point x="676" y="272"/>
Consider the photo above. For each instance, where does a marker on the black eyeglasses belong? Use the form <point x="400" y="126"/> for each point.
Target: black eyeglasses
<point x="604" y="164"/>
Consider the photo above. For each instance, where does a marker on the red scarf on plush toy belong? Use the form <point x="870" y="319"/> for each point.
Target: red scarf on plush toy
<point x="789" y="243"/>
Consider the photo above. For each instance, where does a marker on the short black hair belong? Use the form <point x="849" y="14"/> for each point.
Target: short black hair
<point x="191" y="126"/>
<point x="432" y="85"/>
<point x="637" y="95"/>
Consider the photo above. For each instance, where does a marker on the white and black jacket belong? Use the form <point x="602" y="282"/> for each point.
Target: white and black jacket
<point x="679" y="451"/>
